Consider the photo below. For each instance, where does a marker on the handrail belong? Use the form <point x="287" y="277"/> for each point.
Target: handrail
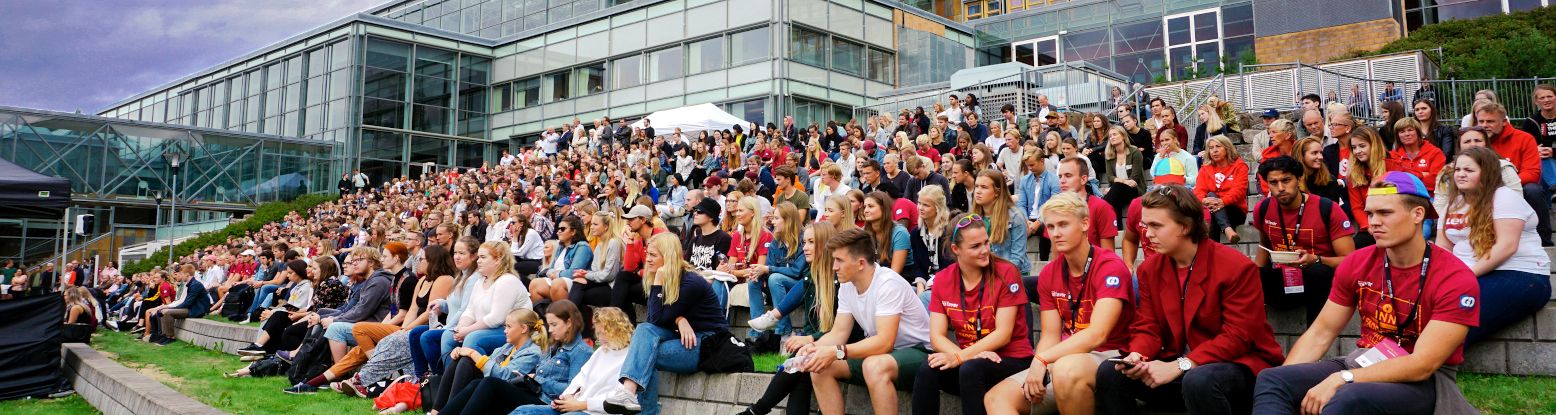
<point x="80" y="246"/>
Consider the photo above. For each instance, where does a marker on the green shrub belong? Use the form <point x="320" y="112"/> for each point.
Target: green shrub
<point x="1516" y="45"/>
<point x="264" y="214"/>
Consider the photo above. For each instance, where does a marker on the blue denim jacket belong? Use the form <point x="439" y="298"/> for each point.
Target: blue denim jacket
<point x="1043" y="187"/>
<point x="1014" y="249"/>
<point x="559" y="368"/>
<point x="578" y="257"/>
<point x="523" y="361"/>
<point x="779" y="260"/>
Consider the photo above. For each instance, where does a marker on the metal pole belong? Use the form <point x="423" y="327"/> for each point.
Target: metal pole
<point x="172" y="220"/>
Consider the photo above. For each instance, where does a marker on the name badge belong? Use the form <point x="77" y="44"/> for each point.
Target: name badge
<point x="1384" y="350"/>
<point x="1292" y="279"/>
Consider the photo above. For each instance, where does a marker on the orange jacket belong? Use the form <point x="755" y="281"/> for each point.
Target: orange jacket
<point x="1229" y="182"/>
<point x="1519" y="147"/>
<point x="1426" y="165"/>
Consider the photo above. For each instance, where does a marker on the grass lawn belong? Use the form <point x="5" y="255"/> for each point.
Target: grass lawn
<point x="72" y="404"/>
<point x="197" y="373"/>
<point x="218" y="318"/>
<point x="1496" y="394"/>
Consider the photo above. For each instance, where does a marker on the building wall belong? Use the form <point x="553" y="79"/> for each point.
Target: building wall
<point x="1279" y="17"/>
<point x="1323" y="44"/>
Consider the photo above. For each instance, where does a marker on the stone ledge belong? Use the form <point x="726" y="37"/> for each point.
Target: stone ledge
<point x="118" y="390"/>
<point x="215" y="335"/>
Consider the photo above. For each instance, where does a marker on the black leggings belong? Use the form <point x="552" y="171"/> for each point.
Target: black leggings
<point x="628" y="291"/>
<point x="795" y="386"/>
<point x="527" y="268"/>
<point x="489" y="396"/>
<point x="587" y="296"/>
<point x="284" y="334"/>
<point x="1119" y="196"/>
<point x="455" y="378"/>
<point x="1228" y="217"/>
<point x="970" y="381"/>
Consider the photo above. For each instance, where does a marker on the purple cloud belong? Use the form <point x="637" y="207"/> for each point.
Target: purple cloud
<point x="85" y="55"/>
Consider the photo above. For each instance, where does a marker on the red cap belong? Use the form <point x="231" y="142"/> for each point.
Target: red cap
<point x="905" y="209"/>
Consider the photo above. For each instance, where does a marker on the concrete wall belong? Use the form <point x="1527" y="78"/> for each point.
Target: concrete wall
<point x="117" y="390"/>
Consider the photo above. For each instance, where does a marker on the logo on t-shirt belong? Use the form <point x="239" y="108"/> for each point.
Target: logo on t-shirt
<point x="1112" y="282"/>
<point x="1466" y="302"/>
<point x="1345" y="224"/>
<point x="1015" y="287"/>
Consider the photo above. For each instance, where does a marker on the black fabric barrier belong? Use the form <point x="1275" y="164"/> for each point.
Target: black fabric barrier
<point x="29" y="345"/>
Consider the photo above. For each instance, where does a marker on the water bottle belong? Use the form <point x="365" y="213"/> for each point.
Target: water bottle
<point x="793" y="364"/>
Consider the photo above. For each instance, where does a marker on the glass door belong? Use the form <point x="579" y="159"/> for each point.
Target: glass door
<point x="1036" y="52"/>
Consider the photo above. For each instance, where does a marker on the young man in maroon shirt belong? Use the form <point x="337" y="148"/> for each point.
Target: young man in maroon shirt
<point x="1199" y="334"/>
<point x="1073" y="178"/>
<point x="1416" y="301"/>
<point x="1296" y="221"/>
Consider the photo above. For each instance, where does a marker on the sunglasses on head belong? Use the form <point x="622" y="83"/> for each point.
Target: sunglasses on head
<point x="967" y="220"/>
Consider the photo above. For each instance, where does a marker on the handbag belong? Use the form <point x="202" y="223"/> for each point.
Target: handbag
<point x="526" y="383"/>
<point x="401" y="391"/>
<point x="722" y="352"/>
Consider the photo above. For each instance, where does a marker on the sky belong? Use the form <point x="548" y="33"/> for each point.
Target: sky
<point x="85" y="55"/>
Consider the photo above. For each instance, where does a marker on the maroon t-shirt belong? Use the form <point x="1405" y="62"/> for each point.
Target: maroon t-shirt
<point x="1103" y="220"/>
<point x="975" y="319"/>
<point x="1316" y="234"/>
<point x="1451" y="295"/>
<point x="1107" y="278"/>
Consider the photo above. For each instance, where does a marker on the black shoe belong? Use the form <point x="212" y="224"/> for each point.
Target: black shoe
<point x="252" y="350"/>
<point x="165" y="341"/>
<point x="301" y="389"/>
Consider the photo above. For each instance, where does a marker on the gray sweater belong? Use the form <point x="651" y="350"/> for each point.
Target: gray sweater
<point x="607" y="262"/>
<point x="368" y="301"/>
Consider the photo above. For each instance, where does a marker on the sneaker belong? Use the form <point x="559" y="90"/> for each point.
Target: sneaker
<point x="342" y="388"/>
<point x="252" y="350"/>
<point x="138" y="329"/>
<point x="166" y="341"/>
<point x="623" y="402"/>
<point x="251" y="358"/>
<point x="301" y="389"/>
<point x="285" y="355"/>
<point x="763" y="322"/>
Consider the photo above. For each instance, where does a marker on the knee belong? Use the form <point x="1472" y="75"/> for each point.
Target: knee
<point x="1074" y="370"/>
<point x="1196" y="383"/>
<point x="1006" y="394"/>
<point x="1347" y="399"/>
<point x="879" y="368"/>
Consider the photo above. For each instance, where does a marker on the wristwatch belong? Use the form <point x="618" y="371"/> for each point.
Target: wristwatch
<point x="1185" y="364"/>
<point x="841" y="353"/>
<point x="1347" y="376"/>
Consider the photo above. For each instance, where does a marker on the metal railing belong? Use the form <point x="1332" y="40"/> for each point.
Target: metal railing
<point x="75" y="248"/>
<point x="1069" y="86"/>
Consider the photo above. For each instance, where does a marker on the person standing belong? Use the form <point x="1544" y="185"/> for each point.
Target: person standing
<point x="1416" y="302"/>
<point x="1200" y="334"/>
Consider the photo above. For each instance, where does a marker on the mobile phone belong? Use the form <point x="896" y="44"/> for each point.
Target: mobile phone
<point x="1120" y="360"/>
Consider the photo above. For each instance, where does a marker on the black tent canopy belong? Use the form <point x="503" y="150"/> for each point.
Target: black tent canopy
<point x="28" y="194"/>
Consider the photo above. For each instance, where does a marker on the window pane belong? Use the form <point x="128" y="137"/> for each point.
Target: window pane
<point x="474" y="69"/>
<point x="340" y="55"/>
<point x="627" y="72"/>
<point x="1181" y="59"/>
<point x="664" y="64"/>
<point x="434" y="91"/>
<point x="1024" y="54"/>
<point x="1178" y="30"/>
<point x="808" y="47"/>
<point x="750" y="45"/>
<point x="383" y="113"/>
<point x="434" y="62"/>
<point x="428" y="150"/>
<point x="382" y="145"/>
<point x="386" y="84"/>
<point x="1047" y="52"/>
<point x="1238" y="49"/>
<point x="430" y="119"/>
<point x="1209" y="60"/>
<point x="388" y="55"/>
<point x="1238" y="20"/>
<point x="1086" y="45"/>
<point x="472" y="97"/>
<point x="881" y="66"/>
<point x="471" y="124"/>
<point x="847" y="57"/>
<point x="528" y="91"/>
<point x="1205" y="27"/>
<point x="1521" y="5"/>
<point x="502" y="97"/>
<point x="590" y="79"/>
<point x="705" y="56"/>
<point x="1136" y="37"/>
<point x="556" y="86"/>
<point x="316" y="63"/>
<point x="471" y="154"/>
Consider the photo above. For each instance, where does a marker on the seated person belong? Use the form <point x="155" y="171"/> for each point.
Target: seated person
<point x="1223" y="188"/>
<point x="587" y="389"/>
<point x="1492" y="230"/>
<point x="819" y="297"/>
<point x="458" y="387"/>
<point x="682" y="312"/>
<point x="980" y="301"/>
<point x="591" y="287"/>
<point x="1078" y="334"/>
<point x="383" y="347"/>
<point x="894" y="322"/>
<point x="194" y="305"/>
<point x="1294" y="220"/>
<point x="369" y="300"/>
<point x="785" y="268"/>
<point x="1419" y="318"/>
<point x="572" y="255"/>
<point x="79" y="308"/>
<point x="1200" y="334"/>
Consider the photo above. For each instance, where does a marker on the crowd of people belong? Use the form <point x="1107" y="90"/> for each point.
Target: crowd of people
<point x="893" y="252"/>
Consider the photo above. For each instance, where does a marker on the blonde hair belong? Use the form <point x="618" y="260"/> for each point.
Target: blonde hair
<point x="537" y="327"/>
<point x="1377" y="157"/>
<point x="613" y="228"/>
<point x="1108" y="151"/>
<point x="669" y="274"/>
<point x="1065" y="203"/>
<point x="821" y="274"/>
<point x="1232" y="156"/>
<point x="752" y="229"/>
<point x="793" y="224"/>
<point x="844" y="205"/>
<point x="612" y="329"/>
<point x="933" y="195"/>
<point x="499" y="251"/>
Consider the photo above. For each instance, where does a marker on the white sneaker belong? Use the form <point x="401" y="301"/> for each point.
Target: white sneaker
<point x="623" y="402"/>
<point x="763" y="323"/>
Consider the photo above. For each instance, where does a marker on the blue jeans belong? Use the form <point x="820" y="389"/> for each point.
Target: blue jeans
<point x="778" y="285"/>
<point x="1507" y="297"/>
<point x="340" y="332"/>
<point x="1280" y="390"/>
<point x="419" y="347"/>
<point x="484" y="341"/>
<point x="263" y="298"/>
<point x="538" y="410"/>
<point x="653" y="349"/>
<point x="721" y="292"/>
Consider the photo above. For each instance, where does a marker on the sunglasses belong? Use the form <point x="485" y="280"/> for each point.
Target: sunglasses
<point x="968" y="220"/>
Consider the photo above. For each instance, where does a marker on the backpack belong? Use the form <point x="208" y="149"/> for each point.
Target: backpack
<point x="312" y="358"/>
<point x="722" y="352"/>
<point x="235" y="305"/>
<point x="269" y="366"/>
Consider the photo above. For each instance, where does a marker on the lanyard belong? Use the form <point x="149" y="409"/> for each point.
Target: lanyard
<point x="977" y="311"/>
<point x="1183" y="295"/>
<point x="1291" y="237"/>
<point x="1388" y="279"/>
<point x="1075" y="302"/>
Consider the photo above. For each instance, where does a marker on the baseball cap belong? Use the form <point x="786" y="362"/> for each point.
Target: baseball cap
<point x="1401" y="183"/>
<point x="905" y="209"/>
<point x="709" y="207"/>
<point x="638" y="212"/>
<point x="713" y="181"/>
<point x="1271" y="113"/>
<point x="869" y="145"/>
<point x="247" y="252"/>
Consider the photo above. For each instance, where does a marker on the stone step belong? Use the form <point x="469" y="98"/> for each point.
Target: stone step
<point x="115" y="389"/>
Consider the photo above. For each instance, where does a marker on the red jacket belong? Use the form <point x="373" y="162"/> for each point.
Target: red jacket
<point x="1231" y="187"/>
<point x="1228" y="323"/>
<point x="1519" y="147"/>
<point x="1427" y="163"/>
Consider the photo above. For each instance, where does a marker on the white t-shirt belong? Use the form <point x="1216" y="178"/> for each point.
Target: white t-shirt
<point x="888" y="295"/>
<point x="1506" y="204"/>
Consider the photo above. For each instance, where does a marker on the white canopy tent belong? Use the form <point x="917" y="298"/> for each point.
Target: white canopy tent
<point x="700" y="117"/>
